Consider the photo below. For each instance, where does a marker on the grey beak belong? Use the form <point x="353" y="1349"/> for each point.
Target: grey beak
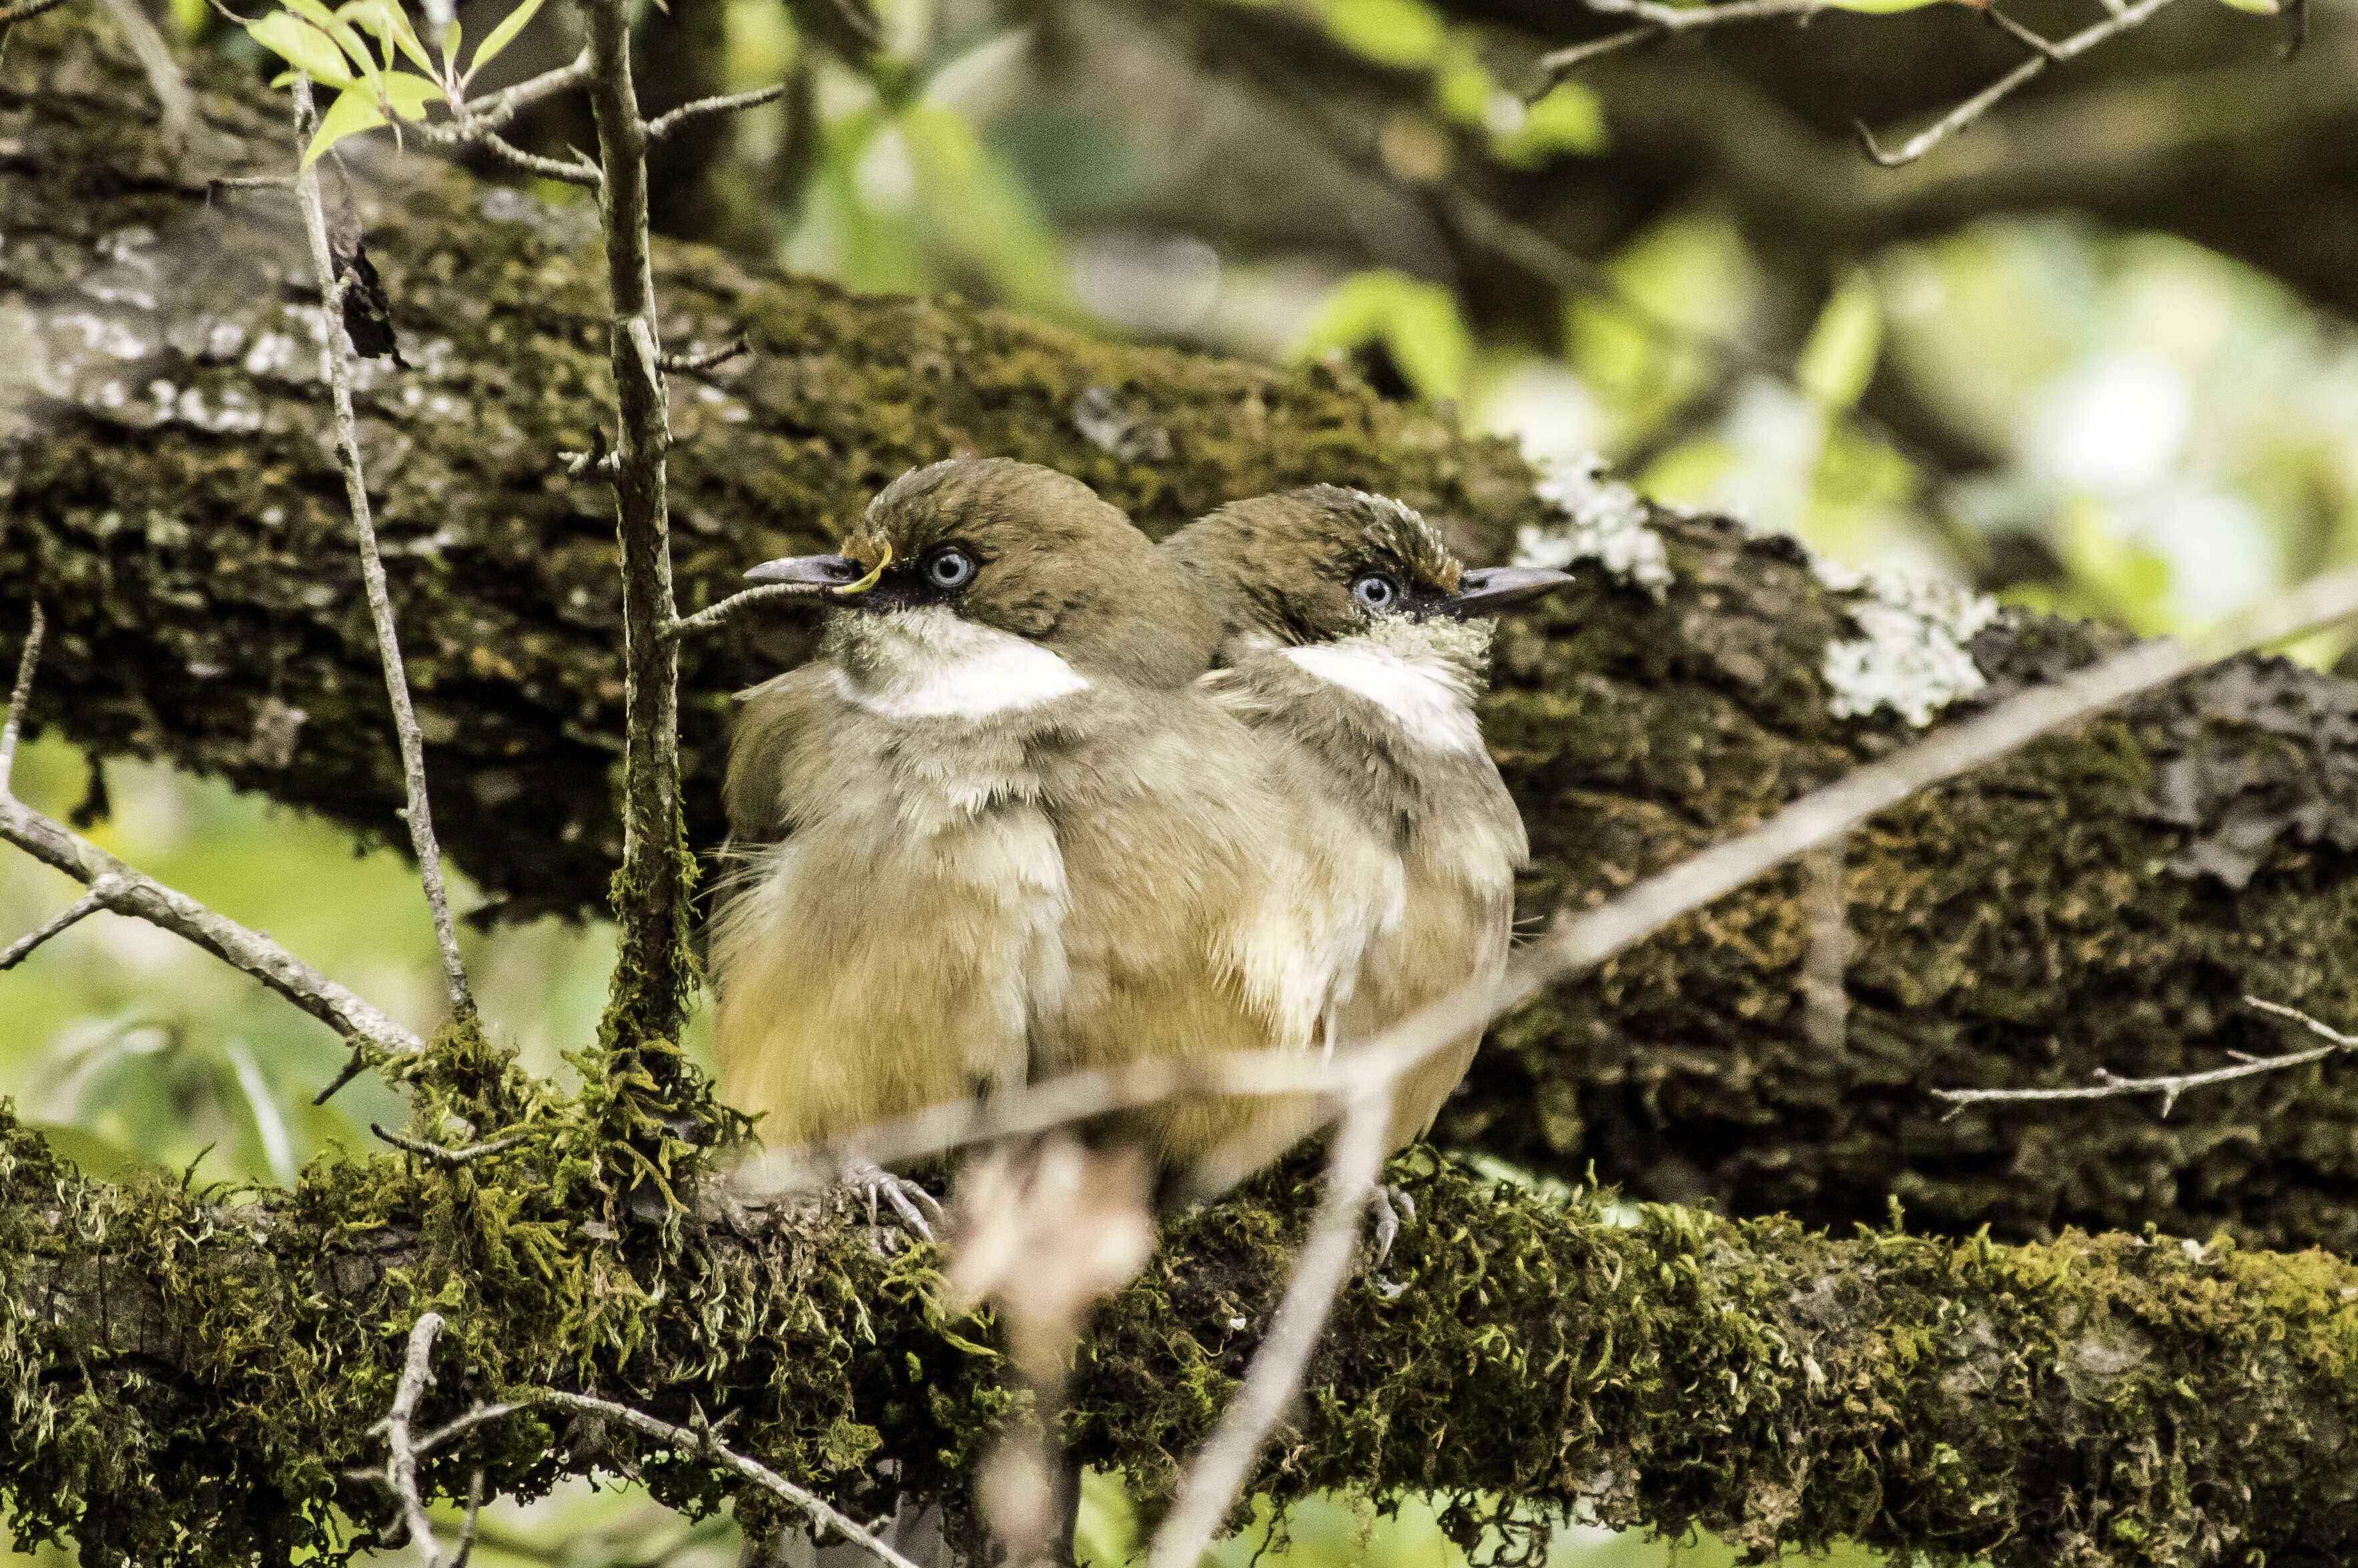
<point x="809" y="571"/>
<point x="1486" y="590"/>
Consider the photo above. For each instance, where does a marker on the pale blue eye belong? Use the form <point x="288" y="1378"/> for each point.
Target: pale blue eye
<point x="1376" y="591"/>
<point x="949" y="568"/>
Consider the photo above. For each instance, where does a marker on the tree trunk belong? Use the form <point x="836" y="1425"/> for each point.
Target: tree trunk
<point x="2102" y="901"/>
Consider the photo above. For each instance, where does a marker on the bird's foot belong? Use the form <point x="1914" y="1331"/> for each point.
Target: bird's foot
<point x="909" y="1201"/>
<point x="1389" y="1203"/>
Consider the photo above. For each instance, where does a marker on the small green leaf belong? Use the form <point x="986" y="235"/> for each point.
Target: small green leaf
<point x="303" y="47"/>
<point x="390" y="23"/>
<point x="1403" y="33"/>
<point x="1463" y="87"/>
<point x="2257" y="7"/>
<point x="353" y="111"/>
<point x="501" y="37"/>
<point x="1568" y="119"/>
<point x="451" y="36"/>
<point x="409" y="94"/>
<point x="351" y="42"/>
<point x="1839" y="359"/>
<point x="1418" y="324"/>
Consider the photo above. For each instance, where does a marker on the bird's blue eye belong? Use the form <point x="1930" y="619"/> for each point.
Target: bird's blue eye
<point x="1376" y="591"/>
<point x="952" y="568"/>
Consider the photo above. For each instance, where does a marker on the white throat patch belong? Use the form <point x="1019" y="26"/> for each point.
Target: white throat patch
<point x="1427" y="696"/>
<point x="930" y="664"/>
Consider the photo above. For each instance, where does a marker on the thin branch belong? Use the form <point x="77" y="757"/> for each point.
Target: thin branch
<point x="505" y="105"/>
<point x="2109" y="1086"/>
<point x="151" y="900"/>
<point x="680" y="363"/>
<point x="700" y="1441"/>
<point x="164" y="75"/>
<point x="1579" y="943"/>
<point x="250" y="183"/>
<point x="25" y="10"/>
<point x="401" y="1454"/>
<point x="419" y="813"/>
<point x="577" y="172"/>
<point x="706" y="618"/>
<point x="655" y="971"/>
<point x="2036" y="42"/>
<point x="1220" y="1467"/>
<point x="100" y="896"/>
<point x="462" y="1426"/>
<point x="466" y="1526"/>
<point x="453" y="1157"/>
<point x="19" y="696"/>
<point x="1827" y="962"/>
<point x="1656" y="21"/>
<point x="663" y="125"/>
<point x="1963" y="115"/>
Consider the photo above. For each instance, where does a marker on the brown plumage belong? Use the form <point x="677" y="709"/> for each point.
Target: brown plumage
<point x="991" y="825"/>
<point x="1354" y="644"/>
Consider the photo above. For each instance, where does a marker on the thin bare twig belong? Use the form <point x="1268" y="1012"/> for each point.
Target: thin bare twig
<point x="1826" y="960"/>
<point x="2109" y="1086"/>
<point x="418" y="813"/>
<point x="502" y="106"/>
<point x="100" y="896"/>
<point x="663" y="125"/>
<point x="654" y="971"/>
<point x="680" y="363"/>
<point x="164" y="75"/>
<point x="401" y="1454"/>
<point x="1220" y="1467"/>
<point x="576" y="172"/>
<point x="462" y="1426"/>
<point x="1656" y="21"/>
<point x="21" y="694"/>
<point x="149" y="900"/>
<point x="706" y="618"/>
<point x="2036" y="42"/>
<point x="25" y="10"/>
<point x="453" y="1157"/>
<point x="701" y="1441"/>
<point x="1962" y="116"/>
<point x="1580" y="943"/>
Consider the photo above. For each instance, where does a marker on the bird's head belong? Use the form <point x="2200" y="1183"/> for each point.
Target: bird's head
<point x="1322" y="564"/>
<point x="1012" y="547"/>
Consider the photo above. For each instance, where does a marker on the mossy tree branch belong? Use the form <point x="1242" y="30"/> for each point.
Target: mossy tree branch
<point x="2103" y="900"/>
<point x="190" y="1382"/>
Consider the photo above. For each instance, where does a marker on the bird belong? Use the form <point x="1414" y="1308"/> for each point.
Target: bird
<point x="1353" y="646"/>
<point x="990" y="826"/>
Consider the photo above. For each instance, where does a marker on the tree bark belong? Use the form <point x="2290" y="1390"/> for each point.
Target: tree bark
<point x="2102" y="901"/>
<point x="190" y="1382"/>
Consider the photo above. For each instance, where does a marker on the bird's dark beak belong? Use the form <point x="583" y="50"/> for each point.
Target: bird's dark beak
<point x="1486" y="590"/>
<point x="809" y="571"/>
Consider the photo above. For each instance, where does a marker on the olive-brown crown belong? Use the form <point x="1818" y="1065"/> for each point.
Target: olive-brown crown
<point x="1051" y="561"/>
<point x="1286" y="565"/>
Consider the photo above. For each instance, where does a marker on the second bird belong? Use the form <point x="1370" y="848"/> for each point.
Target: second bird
<point x="1356" y="645"/>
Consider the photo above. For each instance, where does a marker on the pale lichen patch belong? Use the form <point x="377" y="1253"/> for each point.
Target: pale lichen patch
<point x="1605" y="522"/>
<point x="1910" y="654"/>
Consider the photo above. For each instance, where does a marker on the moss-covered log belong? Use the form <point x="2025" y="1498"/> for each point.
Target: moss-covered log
<point x="189" y="1379"/>
<point x="2102" y="901"/>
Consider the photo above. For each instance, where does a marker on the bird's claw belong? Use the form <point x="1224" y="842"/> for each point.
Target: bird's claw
<point x="1389" y="1203"/>
<point x="910" y="1202"/>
